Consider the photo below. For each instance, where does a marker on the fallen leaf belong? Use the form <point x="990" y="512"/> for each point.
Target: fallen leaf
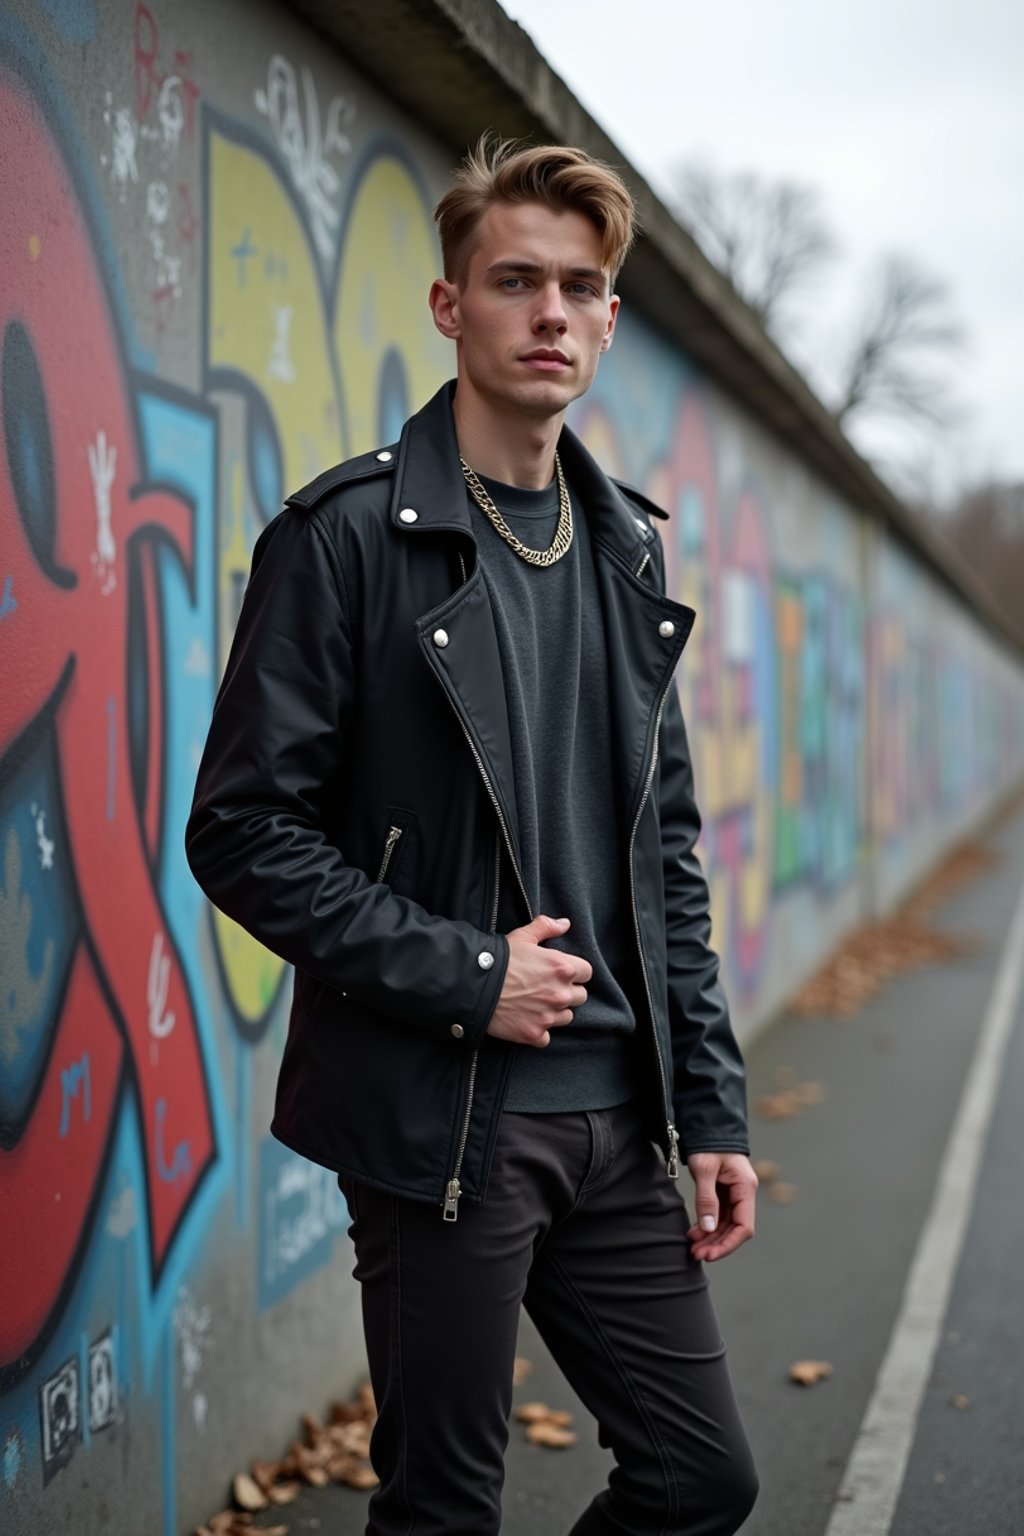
<point x="550" y="1435"/>
<point x="807" y="1373"/>
<point x="247" y="1493"/>
<point x="274" y="1530"/>
<point x="283" y="1493"/>
<point x="264" y="1474"/>
<point x="782" y="1193"/>
<point x="361" y="1477"/>
<point x="960" y="1400"/>
<point x="532" y="1413"/>
<point x="222" y="1521"/>
<point x="790" y="1101"/>
<point x="313" y="1428"/>
<point x="766" y="1170"/>
<point x="520" y="1370"/>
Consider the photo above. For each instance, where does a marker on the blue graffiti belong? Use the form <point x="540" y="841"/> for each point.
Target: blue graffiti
<point x="72" y="1079"/>
<point x="181" y="1162"/>
<point x="8" y="602"/>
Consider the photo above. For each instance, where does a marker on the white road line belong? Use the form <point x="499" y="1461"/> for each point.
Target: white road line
<point x="874" y="1473"/>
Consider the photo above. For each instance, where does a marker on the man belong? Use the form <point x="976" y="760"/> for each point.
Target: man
<point x="447" y="778"/>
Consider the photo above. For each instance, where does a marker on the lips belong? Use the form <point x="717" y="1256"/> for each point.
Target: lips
<point x="546" y="359"/>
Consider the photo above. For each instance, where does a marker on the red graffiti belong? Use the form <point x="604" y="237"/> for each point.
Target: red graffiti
<point x="175" y="90"/>
<point x="75" y="523"/>
<point x="188" y="221"/>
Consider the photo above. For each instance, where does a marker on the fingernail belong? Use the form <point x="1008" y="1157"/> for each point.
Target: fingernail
<point x="708" y="1223"/>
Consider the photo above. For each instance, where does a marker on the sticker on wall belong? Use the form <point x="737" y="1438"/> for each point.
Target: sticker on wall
<point x="59" y="1418"/>
<point x="102" y="1384"/>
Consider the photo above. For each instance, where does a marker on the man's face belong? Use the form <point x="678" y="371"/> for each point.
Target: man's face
<point x="533" y="312"/>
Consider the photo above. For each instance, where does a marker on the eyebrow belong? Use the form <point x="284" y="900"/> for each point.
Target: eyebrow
<point x="532" y="267"/>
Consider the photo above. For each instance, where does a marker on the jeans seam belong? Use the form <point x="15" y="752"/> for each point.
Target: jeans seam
<point x="632" y="1391"/>
<point x="397" y="1380"/>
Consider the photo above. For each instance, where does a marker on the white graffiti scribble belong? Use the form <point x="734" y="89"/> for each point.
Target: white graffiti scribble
<point x="45" y="844"/>
<point x="122" y="1216"/>
<point x="168" y="266"/>
<point x="171" y="111"/>
<point x="192" y="1325"/>
<point x="103" y="468"/>
<point x="158" y="201"/>
<point x="280" y="365"/>
<point x="123" y="167"/>
<point x="197" y="659"/>
<point x="305" y="145"/>
<point x="160" y="1023"/>
<point x="199" y="1410"/>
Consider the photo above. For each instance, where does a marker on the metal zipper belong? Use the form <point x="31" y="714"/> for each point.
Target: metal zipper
<point x="453" y="1189"/>
<point x="394" y="833"/>
<point x="672" y="1161"/>
<point x="643" y="562"/>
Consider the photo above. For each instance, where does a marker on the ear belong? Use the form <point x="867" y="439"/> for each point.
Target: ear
<point x="444" y="306"/>
<point x="609" y="330"/>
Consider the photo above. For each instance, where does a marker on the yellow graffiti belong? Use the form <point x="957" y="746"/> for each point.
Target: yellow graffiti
<point x="389" y="259"/>
<point x="324" y="377"/>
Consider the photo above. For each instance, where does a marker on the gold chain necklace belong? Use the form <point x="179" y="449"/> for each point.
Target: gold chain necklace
<point x="563" y="533"/>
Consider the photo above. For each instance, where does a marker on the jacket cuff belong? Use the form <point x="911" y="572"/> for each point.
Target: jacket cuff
<point x="493" y="981"/>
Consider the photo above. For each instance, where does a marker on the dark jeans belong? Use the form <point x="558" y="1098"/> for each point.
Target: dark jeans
<point x="582" y="1226"/>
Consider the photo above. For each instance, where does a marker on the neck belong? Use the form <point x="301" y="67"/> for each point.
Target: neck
<point x="516" y="450"/>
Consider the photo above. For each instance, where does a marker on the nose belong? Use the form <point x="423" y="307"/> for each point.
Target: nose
<point x="550" y="312"/>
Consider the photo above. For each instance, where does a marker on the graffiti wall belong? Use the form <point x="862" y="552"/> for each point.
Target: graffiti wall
<point x="216" y="246"/>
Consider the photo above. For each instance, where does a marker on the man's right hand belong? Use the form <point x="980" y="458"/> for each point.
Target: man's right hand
<point x="541" y="987"/>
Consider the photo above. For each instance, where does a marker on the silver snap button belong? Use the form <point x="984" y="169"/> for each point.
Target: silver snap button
<point x="639" y="522"/>
<point x="485" y="960"/>
<point x="408" y="515"/>
<point x="384" y="457"/>
<point x="458" y="1031"/>
<point x="666" y="629"/>
<point x="440" y="638"/>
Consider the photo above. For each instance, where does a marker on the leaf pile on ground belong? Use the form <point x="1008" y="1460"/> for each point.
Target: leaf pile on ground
<point x="546" y="1426"/>
<point x="875" y="952"/>
<point x="791" y="1098"/>
<point x="335" y="1452"/>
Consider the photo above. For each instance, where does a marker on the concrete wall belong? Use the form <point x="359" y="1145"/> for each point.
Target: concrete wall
<point x="215" y="241"/>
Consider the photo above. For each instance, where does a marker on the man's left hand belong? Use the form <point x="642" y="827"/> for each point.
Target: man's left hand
<point x="726" y="1187"/>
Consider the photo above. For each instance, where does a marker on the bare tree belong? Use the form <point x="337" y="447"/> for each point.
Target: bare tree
<point x="894" y="368"/>
<point x="987" y="527"/>
<point x="769" y="238"/>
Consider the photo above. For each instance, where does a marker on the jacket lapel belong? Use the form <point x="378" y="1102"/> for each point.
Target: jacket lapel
<point x="458" y="637"/>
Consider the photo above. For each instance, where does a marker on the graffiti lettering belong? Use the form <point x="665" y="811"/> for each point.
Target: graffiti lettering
<point x="72" y="1079"/>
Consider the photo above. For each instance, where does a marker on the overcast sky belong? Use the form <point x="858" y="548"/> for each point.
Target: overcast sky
<point x="907" y="115"/>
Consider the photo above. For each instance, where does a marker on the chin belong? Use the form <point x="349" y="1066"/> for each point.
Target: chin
<point x="544" y="397"/>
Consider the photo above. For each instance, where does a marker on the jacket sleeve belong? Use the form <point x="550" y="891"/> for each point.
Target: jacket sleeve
<point x="256" y="838"/>
<point x="709" y="1091"/>
<point x="710" y="1080"/>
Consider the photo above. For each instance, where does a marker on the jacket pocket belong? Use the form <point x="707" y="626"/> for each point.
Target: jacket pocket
<point x="394" y="843"/>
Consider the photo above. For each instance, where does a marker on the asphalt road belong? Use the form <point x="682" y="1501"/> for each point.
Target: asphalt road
<point x="825" y="1276"/>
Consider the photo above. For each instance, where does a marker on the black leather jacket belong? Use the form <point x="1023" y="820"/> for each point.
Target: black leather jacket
<point x="355" y="811"/>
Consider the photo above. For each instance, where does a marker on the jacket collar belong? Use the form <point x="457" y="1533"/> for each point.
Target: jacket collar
<point x="429" y="481"/>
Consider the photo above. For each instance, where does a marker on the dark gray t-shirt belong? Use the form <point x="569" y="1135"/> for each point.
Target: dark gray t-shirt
<point x="552" y="645"/>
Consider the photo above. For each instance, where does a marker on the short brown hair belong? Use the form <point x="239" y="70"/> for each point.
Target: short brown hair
<point x="508" y="171"/>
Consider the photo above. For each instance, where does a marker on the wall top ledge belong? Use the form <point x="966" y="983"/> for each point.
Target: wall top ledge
<point x="462" y="66"/>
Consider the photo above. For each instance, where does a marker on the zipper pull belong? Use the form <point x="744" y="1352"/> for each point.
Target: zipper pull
<point x="394" y="833"/>
<point x="451" y="1200"/>
<point x="672" y="1165"/>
